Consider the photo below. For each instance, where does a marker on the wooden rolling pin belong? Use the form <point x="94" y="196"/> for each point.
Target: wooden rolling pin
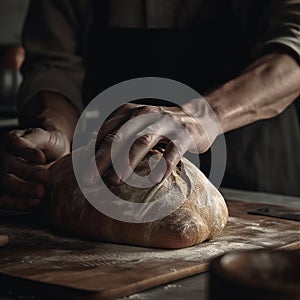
<point x="3" y="240"/>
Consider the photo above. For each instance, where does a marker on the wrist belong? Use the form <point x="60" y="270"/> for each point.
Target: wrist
<point x="52" y="112"/>
<point x="217" y="100"/>
<point x="206" y="115"/>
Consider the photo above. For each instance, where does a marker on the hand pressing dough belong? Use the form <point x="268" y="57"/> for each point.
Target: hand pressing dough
<point x="202" y="216"/>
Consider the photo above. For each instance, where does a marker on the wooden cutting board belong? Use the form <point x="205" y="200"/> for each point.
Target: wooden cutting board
<point x="39" y="258"/>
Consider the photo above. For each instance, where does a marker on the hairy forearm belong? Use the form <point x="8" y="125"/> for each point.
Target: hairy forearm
<point x="50" y="111"/>
<point x="262" y="91"/>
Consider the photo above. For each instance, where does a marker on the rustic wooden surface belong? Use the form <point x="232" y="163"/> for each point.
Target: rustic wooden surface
<point x="106" y="271"/>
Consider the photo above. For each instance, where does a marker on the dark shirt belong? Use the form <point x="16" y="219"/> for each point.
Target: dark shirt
<point x="78" y="48"/>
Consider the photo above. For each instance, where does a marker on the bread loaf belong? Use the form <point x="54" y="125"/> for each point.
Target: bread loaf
<point x="202" y="216"/>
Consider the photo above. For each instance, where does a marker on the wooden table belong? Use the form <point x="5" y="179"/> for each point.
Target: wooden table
<point x="195" y="287"/>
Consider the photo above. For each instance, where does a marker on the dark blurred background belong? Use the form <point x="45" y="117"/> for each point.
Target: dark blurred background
<point x="12" y="15"/>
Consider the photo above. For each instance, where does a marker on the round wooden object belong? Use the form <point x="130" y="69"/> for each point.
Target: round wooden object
<point x="256" y="274"/>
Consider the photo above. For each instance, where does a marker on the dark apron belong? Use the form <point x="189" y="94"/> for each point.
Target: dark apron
<point x="262" y="156"/>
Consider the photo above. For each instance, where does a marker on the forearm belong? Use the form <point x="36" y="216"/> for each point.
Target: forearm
<point x="262" y="91"/>
<point x="54" y="63"/>
<point x="50" y="111"/>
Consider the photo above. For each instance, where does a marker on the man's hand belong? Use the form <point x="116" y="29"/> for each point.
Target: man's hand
<point x="25" y="155"/>
<point x="24" y="158"/>
<point x="189" y="128"/>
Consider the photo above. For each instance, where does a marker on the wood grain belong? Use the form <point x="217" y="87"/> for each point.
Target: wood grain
<point x="106" y="271"/>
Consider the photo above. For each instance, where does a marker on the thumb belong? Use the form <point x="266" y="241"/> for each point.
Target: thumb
<point x="53" y="144"/>
<point x="37" y="145"/>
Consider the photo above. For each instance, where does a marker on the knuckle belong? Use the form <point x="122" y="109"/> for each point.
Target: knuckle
<point x="53" y="140"/>
<point x="11" y="138"/>
<point x="113" y="137"/>
<point x="145" y="139"/>
<point x="14" y="139"/>
<point x="37" y="131"/>
<point x="15" y="133"/>
<point x="147" y="109"/>
<point x="189" y="126"/>
<point x="127" y="106"/>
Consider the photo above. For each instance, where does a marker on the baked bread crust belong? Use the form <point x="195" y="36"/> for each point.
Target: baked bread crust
<point x="203" y="214"/>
